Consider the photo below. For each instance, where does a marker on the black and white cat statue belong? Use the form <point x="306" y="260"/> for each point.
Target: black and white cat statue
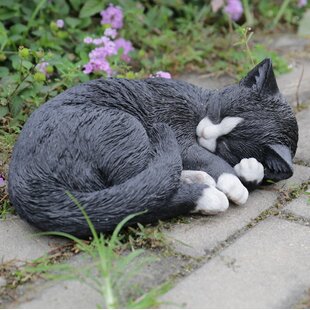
<point x="156" y="145"/>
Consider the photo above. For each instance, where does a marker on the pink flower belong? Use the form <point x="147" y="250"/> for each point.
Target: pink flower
<point x="98" y="41"/>
<point x="2" y="181"/>
<point x="88" y="68"/>
<point x="88" y="40"/>
<point x="112" y="15"/>
<point x="109" y="32"/>
<point x="302" y="3"/>
<point x="162" y="74"/>
<point x="42" y="67"/>
<point x="98" y="58"/>
<point x="234" y="9"/>
<point x="60" y="23"/>
<point x="126" y="46"/>
<point x="97" y="65"/>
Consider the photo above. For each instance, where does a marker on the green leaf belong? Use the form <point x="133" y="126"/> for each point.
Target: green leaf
<point x="16" y="105"/>
<point x="15" y="37"/>
<point x="76" y="4"/>
<point x="27" y="64"/>
<point x="304" y="25"/>
<point x="85" y="22"/>
<point x="3" y="111"/>
<point x="3" y="35"/>
<point x="3" y="71"/>
<point x="90" y="8"/>
<point x="7" y="14"/>
<point x="15" y="62"/>
<point x="18" y="28"/>
<point x="72" y="22"/>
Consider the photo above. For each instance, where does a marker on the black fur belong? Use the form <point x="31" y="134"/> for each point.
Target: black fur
<point x="119" y="147"/>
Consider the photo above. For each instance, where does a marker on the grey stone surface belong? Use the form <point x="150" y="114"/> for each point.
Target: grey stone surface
<point x="2" y="281"/>
<point x="207" y="80"/>
<point x="18" y="241"/>
<point x="74" y="294"/>
<point x="301" y="174"/>
<point x="303" y="150"/>
<point x="300" y="206"/>
<point x="66" y="295"/>
<point x="201" y="235"/>
<point x="266" y="268"/>
<point x="289" y="42"/>
<point x="287" y="82"/>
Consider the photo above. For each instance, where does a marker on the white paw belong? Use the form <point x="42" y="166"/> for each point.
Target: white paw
<point x="250" y="170"/>
<point x="195" y="176"/>
<point x="208" y="132"/>
<point x="212" y="201"/>
<point x="230" y="185"/>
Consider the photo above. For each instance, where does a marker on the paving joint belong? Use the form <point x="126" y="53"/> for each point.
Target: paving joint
<point x="284" y="197"/>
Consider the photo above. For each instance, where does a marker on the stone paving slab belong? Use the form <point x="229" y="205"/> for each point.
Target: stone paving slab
<point x="303" y="150"/>
<point x="74" y="294"/>
<point x="266" y="268"/>
<point x="200" y="236"/>
<point x="18" y="241"/>
<point x="300" y="206"/>
<point x="287" y="82"/>
<point x="66" y="295"/>
<point x="207" y="81"/>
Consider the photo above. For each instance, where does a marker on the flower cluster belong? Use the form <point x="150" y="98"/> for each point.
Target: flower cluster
<point x="42" y="67"/>
<point x="2" y="181"/>
<point x="161" y="74"/>
<point x="302" y="3"/>
<point x="233" y="8"/>
<point x="113" y="16"/>
<point x="60" y="23"/>
<point x="108" y="45"/>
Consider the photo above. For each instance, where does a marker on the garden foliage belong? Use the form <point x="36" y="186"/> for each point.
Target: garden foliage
<point x="48" y="46"/>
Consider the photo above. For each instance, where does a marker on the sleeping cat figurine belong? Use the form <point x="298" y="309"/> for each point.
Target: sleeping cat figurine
<point x="161" y="146"/>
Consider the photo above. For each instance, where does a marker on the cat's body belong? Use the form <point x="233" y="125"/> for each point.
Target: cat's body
<point x="124" y="146"/>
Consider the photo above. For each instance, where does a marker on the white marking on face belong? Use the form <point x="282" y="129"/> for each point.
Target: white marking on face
<point x="250" y="170"/>
<point x="232" y="187"/>
<point x="212" y="201"/>
<point x="208" y="132"/>
<point x="195" y="176"/>
<point x="209" y="144"/>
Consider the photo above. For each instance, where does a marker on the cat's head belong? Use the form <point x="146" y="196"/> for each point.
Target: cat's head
<point x="268" y="130"/>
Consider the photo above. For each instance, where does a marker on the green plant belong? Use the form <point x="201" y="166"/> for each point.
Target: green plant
<point x="171" y="36"/>
<point x="5" y="207"/>
<point x="110" y="271"/>
<point x="146" y="237"/>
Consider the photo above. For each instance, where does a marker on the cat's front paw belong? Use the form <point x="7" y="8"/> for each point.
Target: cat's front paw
<point x="212" y="201"/>
<point x="196" y="176"/>
<point x="232" y="187"/>
<point x="250" y="170"/>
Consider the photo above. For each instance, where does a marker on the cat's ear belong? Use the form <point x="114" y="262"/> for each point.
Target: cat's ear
<point x="278" y="161"/>
<point x="262" y="78"/>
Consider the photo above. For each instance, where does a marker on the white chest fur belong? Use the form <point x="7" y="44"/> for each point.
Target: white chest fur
<point x="208" y="132"/>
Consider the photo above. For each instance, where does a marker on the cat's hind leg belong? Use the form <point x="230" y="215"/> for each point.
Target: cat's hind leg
<point x="211" y="200"/>
<point x="197" y="176"/>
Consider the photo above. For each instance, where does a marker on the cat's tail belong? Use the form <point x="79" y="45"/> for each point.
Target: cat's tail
<point x="148" y="191"/>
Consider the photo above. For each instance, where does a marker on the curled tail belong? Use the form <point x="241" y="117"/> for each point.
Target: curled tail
<point x="150" y="190"/>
